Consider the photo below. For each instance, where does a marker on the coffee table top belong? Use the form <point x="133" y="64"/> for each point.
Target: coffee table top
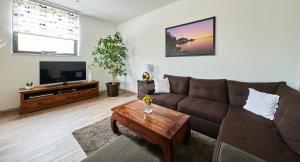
<point x="163" y="121"/>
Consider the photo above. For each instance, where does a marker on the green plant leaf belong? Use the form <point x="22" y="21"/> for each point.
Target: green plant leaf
<point x="111" y="54"/>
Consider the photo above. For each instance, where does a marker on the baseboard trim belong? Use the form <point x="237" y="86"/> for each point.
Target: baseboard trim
<point x="9" y="110"/>
<point x="125" y="90"/>
<point x="121" y="91"/>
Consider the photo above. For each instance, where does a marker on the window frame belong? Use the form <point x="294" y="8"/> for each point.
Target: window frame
<point x="14" y="34"/>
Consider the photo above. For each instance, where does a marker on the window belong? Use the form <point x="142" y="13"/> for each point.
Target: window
<point x="43" y="29"/>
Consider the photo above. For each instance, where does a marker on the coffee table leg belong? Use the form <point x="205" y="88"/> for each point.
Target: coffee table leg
<point x="114" y="126"/>
<point x="187" y="136"/>
<point x="167" y="149"/>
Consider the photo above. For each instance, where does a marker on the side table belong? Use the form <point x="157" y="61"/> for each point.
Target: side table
<point x="141" y="83"/>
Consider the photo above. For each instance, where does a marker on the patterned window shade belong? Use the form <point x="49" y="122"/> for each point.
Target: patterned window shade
<point x="33" y="18"/>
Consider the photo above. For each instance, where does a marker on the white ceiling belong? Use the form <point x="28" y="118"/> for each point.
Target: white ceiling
<point x="115" y="11"/>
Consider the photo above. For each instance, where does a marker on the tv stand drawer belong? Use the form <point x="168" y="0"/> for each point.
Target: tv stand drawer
<point x="35" y="104"/>
<point x="66" y="97"/>
<point x="88" y="92"/>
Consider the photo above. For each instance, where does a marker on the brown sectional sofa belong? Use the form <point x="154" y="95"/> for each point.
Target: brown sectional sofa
<point x="216" y="109"/>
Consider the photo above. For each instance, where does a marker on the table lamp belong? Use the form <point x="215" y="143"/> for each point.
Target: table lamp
<point x="147" y="68"/>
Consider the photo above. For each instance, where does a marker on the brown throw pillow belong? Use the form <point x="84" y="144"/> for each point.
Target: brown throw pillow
<point x="179" y="85"/>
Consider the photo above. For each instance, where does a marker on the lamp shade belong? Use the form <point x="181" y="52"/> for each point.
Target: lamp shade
<point x="147" y="68"/>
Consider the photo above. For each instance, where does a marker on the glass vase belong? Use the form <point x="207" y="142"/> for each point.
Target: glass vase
<point x="147" y="108"/>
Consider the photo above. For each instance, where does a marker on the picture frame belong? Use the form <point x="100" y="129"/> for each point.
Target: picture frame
<point x="195" y="38"/>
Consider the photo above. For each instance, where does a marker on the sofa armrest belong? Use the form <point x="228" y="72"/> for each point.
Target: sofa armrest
<point x="228" y="153"/>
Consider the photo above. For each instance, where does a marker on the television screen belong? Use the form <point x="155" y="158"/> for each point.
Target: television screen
<point x="61" y="72"/>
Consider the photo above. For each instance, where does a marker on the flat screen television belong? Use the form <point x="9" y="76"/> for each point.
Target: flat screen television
<point x="61" y="72"/>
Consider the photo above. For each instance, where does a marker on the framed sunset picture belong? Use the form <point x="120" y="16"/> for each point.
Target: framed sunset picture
<point x="191" y="39"/>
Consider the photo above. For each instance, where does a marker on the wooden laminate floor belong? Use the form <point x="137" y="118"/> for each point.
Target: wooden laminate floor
<point x="47" y="135"/>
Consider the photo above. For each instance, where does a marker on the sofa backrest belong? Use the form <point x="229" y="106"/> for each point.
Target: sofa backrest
<point x="287" y="117"/>
<point x="178" y="84"/>
<point x="238" y="91"/>
<point x="212" y="89"/>
<point x="285" y="99"/>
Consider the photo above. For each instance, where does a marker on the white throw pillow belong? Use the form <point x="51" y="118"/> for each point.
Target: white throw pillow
<point x="262" y="104"/>
<point x="162" y="85"/>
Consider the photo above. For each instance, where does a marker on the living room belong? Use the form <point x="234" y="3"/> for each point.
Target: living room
<point x="253" y="47"/>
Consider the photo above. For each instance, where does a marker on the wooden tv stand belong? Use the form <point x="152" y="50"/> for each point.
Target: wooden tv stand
<point x="44" y="97"/>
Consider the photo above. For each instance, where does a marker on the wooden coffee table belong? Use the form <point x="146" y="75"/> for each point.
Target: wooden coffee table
<point x="163" y="126"/>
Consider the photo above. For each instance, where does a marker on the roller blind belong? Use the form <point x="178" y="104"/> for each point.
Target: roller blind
<point x="31" y="17"/>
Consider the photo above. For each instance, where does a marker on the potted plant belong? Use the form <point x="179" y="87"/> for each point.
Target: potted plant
<point x="111" y="54"/>
<point x="29" y="85"/>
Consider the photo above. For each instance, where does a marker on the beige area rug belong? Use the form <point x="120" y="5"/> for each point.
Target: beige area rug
<point x="95" y="136"/>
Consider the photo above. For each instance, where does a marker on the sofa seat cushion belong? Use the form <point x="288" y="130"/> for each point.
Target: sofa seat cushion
<point x="254" y="134"/>
<point x="168" y="100"/>
<point x="202" y="108"/>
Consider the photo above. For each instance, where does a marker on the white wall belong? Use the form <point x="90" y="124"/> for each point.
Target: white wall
<point x="255" y="40"/>
<point x="15" y="70"/>
<point x="298" y="47"/>
<point x="298" y="70"/>
<point x="298" y="63"/>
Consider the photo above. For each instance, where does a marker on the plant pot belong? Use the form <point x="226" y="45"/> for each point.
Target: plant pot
<point x="112" y="89"/>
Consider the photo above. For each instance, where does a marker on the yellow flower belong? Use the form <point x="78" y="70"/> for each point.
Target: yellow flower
<point x="147" y="99"/>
